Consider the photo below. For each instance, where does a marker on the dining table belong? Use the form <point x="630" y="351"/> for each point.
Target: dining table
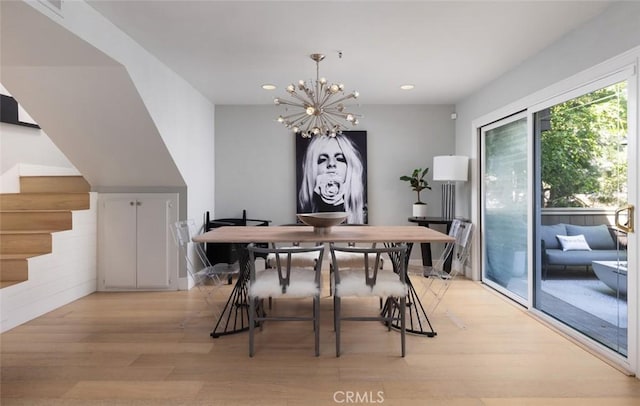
<point x="234" y="317"/>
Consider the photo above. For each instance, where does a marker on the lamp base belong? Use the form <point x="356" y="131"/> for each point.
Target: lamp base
<point x="448" y="200"/>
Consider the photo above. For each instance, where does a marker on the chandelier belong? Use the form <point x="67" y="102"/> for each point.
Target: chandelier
<point x="323" y="111"/>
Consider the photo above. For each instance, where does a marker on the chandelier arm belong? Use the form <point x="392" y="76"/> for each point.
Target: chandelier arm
<point x="319" y="123"/>
<point x="300" y="121"/>
<point x="302" y="99"/>
<point x="332" y="120"/>
<point x="309" y="94"/>
<point x="335" y="111"/>
<point x="294" y="118"/>
<point x="327" y="96"/>
<point x="290" y="103"/>
<point x="347" y="97"/>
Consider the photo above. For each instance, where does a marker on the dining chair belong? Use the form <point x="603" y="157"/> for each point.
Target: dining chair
<point x="368" y="280"/>
<point x="287" y="277"/>
<point x="438" y="279"/>
<point x="205" y="276"/>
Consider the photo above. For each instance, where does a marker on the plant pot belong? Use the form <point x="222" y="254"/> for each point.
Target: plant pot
<point x="420" y="210"/>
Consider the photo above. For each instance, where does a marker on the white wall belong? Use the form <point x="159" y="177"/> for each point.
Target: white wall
<point x="255" y="160"/>
<point x="27" y="145"/>
<point x="183" y="116"/>
<point x="136" y="125"/>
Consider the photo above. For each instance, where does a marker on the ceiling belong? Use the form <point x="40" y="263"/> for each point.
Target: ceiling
<point x="447" y="49"/>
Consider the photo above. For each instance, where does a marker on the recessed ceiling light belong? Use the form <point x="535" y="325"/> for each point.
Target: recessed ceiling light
<point x="407" y="87"/>
<point x="269" y="86"/>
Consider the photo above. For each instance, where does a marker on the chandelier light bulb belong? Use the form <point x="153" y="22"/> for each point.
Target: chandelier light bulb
<point x="276" y="101"/>
<point x="350" y="117"/>
<point x="280" y="119"/>
<point x="310" y="110"/>
<point x="291" y="88"/>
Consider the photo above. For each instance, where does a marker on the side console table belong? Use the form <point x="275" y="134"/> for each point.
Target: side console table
<point x="426" y="247"/>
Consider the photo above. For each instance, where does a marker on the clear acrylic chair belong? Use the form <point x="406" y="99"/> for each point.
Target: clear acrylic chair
<point x="368" y="280"/>
<point x="436" y="279"/>
<point x="292" y="274"/>
<point x="205" y="277"/>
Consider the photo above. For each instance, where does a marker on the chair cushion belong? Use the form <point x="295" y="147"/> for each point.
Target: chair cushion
<point x="573" y="243"/>
<point x="568" y="258"/>
<point x="598" y="237"/>
<point x="354" y="260"/>
<point x="352" y="283"/>
<point x="267" y="284"/>
<point x="298" y="259"/>
<point x="548" y="235"/>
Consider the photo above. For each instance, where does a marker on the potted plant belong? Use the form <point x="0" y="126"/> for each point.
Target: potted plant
<point x="418" y="183"/>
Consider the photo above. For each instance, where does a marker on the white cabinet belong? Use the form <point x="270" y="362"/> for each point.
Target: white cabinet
<point x="135" y="246"/>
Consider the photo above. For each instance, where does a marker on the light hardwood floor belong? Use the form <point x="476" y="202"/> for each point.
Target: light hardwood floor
<point x="135" y="349"/>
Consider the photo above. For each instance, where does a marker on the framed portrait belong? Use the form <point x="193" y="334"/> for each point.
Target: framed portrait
<point x="331" y="175"/>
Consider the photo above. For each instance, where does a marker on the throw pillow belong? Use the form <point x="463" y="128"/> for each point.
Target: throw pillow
<point x="598" y="237"/>
<point x="573" y="243"/>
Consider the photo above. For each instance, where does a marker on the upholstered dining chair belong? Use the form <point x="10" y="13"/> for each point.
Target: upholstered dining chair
<point x="287" y="277"/>
<point x="368" y="280"/>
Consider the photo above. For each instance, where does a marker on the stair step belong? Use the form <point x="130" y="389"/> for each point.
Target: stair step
<point x="21" y="221"/>
<point x="20" y="243"/>
<point x="54" y="184"/>
<point x="13" y="270"/>
<point x="44" y="201"/>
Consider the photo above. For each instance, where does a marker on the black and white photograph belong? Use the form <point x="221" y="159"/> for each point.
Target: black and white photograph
<point x="331" y="175"/>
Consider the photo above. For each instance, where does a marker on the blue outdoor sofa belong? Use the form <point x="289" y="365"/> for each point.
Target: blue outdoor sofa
<point x="604" y="244"/>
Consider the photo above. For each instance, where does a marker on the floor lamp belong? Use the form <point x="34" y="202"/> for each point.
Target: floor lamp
<point x="450" y="169"/>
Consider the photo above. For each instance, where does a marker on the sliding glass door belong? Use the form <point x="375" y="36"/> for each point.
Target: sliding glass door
<point x="505" y="205"/>
<point x="582" y="213"/>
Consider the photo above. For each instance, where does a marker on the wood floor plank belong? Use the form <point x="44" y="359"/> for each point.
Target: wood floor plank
<point x="122" y="389"/>
<point x="154" y="348"/>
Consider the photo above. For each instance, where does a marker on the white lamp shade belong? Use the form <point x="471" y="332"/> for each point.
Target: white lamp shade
<point x="450" y="168"/>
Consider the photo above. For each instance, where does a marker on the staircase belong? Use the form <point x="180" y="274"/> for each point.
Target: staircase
<point x="28" y="218"/>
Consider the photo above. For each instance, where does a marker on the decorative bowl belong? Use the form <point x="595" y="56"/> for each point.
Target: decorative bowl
<point x="322" y="222"/>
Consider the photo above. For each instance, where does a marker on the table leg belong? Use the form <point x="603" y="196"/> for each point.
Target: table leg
<point x="417" y="321"/>
<point x="234" y="317"/>
<point x="425" y="248"/>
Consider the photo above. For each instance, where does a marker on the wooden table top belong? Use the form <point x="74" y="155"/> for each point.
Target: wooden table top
<point x="336" y="234"/>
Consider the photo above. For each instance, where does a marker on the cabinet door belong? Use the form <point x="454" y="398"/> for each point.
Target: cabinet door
<point x="156" y="260"/>
<point x="118" y="242"/>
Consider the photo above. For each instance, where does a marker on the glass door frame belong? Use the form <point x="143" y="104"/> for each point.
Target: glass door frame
<point x="482" y="131"/>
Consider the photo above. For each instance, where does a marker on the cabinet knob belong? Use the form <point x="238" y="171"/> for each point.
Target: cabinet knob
<point x="138" y="203"/>
<point x="132" y="203"/>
